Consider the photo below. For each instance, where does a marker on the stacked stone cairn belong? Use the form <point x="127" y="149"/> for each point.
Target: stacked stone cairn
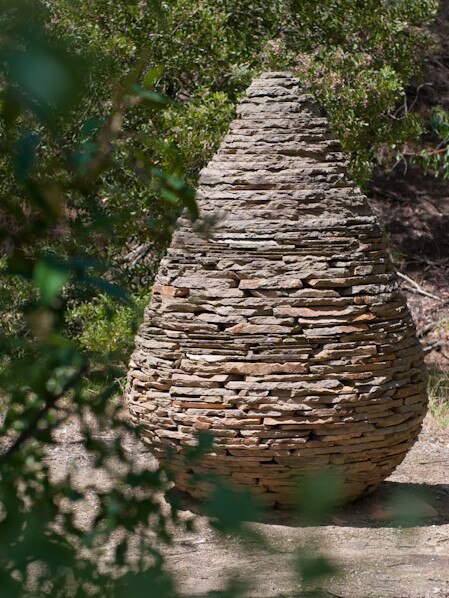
<point x="276" y="322"/>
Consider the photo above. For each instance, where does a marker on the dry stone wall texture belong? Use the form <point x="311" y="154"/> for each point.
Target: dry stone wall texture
<point x="276" y="322"/>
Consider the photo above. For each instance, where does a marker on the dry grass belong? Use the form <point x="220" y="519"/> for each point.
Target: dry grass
<point x="438" y="389"/>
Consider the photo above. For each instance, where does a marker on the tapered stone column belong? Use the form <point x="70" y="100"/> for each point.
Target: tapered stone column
<point x="282" y="331"/>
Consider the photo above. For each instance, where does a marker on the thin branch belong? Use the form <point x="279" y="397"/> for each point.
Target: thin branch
<point x="440" y="150"/>
<point x="418" y="289"/>
<point x="49" y="404"/>
<point x="405" y="108"/>
<point x="433" y="347"/>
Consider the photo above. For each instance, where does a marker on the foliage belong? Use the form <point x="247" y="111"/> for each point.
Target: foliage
<point x="357" y="59"/>
<point x="196" y="128"/>
<point x="106" y="327"/>
<point x="107" y="112"/>
<point x="433" y="157"/>
<point x="49" y="208"/>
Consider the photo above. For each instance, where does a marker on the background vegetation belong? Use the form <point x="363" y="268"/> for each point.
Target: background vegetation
<point x="363" y="63"/>
<point x="108" y="112"/>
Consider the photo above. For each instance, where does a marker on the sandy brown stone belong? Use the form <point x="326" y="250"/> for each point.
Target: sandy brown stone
<point x="168" y="291"/>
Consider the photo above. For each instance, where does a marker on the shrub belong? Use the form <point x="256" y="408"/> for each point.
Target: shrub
<point x="357" y="59"/>
<point x="94" y="157"/>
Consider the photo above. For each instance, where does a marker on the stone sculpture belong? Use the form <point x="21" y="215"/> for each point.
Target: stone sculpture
<point x="282" y="331"/>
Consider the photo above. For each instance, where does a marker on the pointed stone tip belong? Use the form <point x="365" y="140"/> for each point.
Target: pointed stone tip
<point x="276" y="75"/>
<point x="269" y="79"/>
<point x="276" y="95"/>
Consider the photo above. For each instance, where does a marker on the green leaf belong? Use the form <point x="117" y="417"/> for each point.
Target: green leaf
<point x="232" y="508"/>
<point x="50" y="277"/>
<point x="152" y="98"/>
<point x="152" y="76"/>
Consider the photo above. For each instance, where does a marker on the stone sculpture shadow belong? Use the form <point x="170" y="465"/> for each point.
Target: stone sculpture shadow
<point x="392" y="504"/>
<point x="428" y="505"/>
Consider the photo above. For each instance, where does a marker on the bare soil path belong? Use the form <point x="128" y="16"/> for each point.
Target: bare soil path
<point x="375" y="558"/>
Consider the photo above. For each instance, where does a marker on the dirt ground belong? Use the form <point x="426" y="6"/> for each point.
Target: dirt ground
<point x="375" y="558"/>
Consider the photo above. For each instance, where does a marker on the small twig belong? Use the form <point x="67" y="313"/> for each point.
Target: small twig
<point x="439" y="150"/>
<point x="425" y="329"/>
<point x="434" y="205"/>
<point x="333" y="594"/>
<point x="396" y="164"/>
<point x="415" y="99"/>
<point x="432" y="347"/>
<point x="418" y="288"/>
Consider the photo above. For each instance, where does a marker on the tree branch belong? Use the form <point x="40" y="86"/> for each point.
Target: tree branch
<point x="33" y="425"/>
<point x="417" y="288"/>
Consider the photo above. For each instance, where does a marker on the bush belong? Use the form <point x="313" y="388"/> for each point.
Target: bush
<point x="107" y="112"/>
<point x="104" y="327"/>
<point x="52" y="216"/>
<point x="357" y="59"/>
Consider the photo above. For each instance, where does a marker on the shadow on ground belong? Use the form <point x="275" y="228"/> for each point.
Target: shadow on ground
<point x="392" y="504"/>
<point x="414" y="209"/>
<point x="398" y="503"/>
